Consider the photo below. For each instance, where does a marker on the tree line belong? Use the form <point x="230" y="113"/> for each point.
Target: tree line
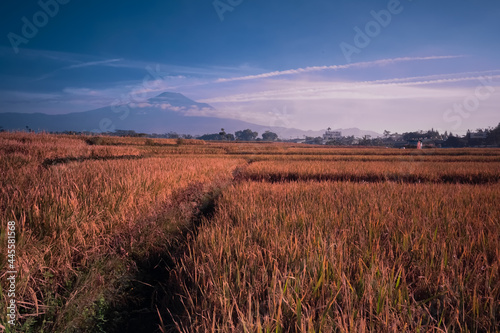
<point x="243" y="135"/>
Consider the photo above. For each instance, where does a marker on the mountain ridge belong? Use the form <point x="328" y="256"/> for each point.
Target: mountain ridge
<point x="164" y="113"/>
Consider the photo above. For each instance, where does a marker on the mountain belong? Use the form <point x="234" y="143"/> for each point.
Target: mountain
<point x="167" y="112"/>
<point x="177" y="100"/>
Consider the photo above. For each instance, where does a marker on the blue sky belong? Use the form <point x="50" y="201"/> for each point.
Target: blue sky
<point x="397" y="65"/>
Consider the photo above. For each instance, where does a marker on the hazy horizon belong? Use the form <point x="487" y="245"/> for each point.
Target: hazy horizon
<point x="396" y="65"/>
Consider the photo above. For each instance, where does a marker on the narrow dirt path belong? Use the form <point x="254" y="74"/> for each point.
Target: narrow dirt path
<point x="155" y="301"/>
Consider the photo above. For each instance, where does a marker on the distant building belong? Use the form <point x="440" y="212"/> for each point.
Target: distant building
<point x="332" y="135"/>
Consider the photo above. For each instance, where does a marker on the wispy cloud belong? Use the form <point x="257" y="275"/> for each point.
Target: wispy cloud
<point x="381" y="62"/>
<point x="82" y="91"/>
<point x="92" y="63"/>
<point x="440" y="81"/>
<point x="416" y="79"/>
<point x="79" y="65"/>
<point x="377" y="89"/>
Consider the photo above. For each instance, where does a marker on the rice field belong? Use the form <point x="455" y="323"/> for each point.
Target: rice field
<point x="127" y="234"/>
<point x="374" y="171"/>
<point x="346" y="257"/>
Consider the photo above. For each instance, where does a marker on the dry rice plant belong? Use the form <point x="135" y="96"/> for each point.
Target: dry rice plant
<point x="374" y="171"/>
<point x="391" y="248"/>
<point x="329" y="257"/>
<point x="76" y="220"/>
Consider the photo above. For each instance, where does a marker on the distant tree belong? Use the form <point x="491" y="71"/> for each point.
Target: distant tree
<point x="455" y="142"/>
<point x="216" y="137"/>
<point x="120" y="132"/>
<point x="246" y="135"/>
<point x="387" y="133"/>
<point x="210" y="137"/>
<point x="334" y="142"/>
<point x="269" y="136"/>
<point x="348" y="140"/>
<point x="494" y="136"/>
<point x="412" y="136"/>
<point x="365" y="141"/>
<point x="226" y="136"/>
<point x="318" y="140"/>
